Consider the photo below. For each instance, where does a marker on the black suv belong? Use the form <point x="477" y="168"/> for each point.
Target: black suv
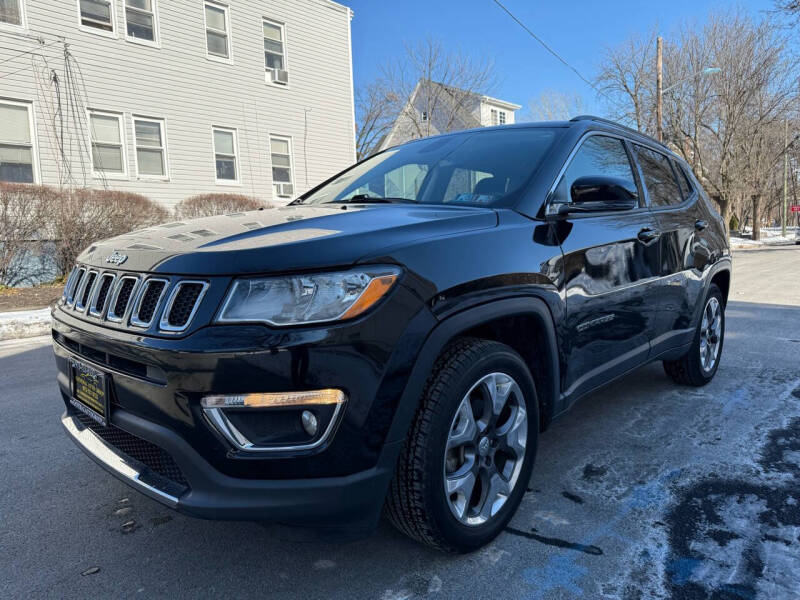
<point x="398" y="336"/>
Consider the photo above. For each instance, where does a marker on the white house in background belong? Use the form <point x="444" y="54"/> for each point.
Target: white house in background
<point x="171" y="98"/>
<point x="434" y="108"/>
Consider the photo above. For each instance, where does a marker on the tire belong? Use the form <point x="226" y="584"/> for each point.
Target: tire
<point x="692" y="368"/>
<point x="417" y="503"/>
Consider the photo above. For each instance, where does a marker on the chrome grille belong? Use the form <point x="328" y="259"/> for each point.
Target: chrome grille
<point x="98" y="304"/>
<point x="149" y="298"/>
<point x="121" y="298"/>
<point x="164" y="304"/>
<point x="76" y="285"/>
<point x="182" y="304"/>
<point x="86" y="289"/>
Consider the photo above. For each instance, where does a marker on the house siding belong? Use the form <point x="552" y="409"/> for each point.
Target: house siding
<point x="192" y="93"/>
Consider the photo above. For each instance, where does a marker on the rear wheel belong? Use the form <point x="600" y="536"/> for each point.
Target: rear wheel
<point x="700" y="364"/>
<point x="470" y="450"/>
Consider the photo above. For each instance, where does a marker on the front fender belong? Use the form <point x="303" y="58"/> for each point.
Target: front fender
<point x="461" y="322"/>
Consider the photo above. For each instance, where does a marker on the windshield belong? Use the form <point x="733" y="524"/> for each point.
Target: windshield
<point x="481" y="168"/>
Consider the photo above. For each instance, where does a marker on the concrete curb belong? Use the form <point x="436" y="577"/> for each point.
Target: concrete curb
<point x="24" y="324"/>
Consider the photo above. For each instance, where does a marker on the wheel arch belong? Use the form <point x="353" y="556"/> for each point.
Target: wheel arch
<point x="722" y="278"/>
<point x="523" y="323"/>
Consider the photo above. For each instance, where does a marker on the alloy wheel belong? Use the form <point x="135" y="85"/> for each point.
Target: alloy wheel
<point x="710" y="334"/>
<point x="485" y="450"/>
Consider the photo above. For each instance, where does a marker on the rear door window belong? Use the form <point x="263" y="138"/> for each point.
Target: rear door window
<point x="659" y="178"/>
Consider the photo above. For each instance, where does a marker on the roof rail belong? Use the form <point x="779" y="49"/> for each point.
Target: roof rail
<point x="615" y="124"/>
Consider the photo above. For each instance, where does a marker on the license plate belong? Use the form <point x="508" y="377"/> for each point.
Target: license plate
<point x="89" y="391"/>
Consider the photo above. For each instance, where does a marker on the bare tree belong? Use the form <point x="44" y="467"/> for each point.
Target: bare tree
<point x="553" y="105"/>
<point x="724" y="124"/>
<point x="790" y="8"/>
<point x="375" y="115"/>
<point x="427" y="90"/>
<point x="627" y="80"/>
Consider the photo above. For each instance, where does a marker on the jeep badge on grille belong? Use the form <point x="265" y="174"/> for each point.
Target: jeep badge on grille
<point x="116" y="258"/>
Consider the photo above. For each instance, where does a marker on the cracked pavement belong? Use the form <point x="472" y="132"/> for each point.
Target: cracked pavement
<point x="644" y="490"/>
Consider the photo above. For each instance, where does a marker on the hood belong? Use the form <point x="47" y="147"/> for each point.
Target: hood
<point x="281" y="239"/>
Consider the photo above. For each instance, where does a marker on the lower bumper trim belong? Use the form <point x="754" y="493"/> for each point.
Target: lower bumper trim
<point x="126" y="468"/>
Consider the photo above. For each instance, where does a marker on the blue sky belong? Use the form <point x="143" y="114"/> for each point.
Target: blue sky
<point x="578" y="30"/>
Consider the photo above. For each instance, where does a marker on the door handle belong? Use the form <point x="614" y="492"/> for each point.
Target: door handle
<point x="648" y="235"/>
<point x="700" y="225"/>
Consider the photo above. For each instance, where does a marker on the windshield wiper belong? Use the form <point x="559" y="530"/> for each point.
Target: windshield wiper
<point x="366" y="199"/>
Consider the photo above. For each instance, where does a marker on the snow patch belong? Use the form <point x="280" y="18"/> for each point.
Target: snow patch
<point x="24" y="324"/>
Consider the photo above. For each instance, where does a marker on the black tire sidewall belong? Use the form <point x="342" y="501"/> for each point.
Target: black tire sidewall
<point x="694" y="357"/>
<point x="464" y="537"/>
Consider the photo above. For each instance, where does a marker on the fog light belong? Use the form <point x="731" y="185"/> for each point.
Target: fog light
<point x="309" y="422"/>
<point x="276" y="421"/>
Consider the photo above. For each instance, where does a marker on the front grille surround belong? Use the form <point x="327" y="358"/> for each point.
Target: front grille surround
<point x="72" y="281"/>
<point x="139" y="320"/>
<point x="101" y="294"/>
<point x="165" y="324"/>
<point x="126" y="285"/>
<point x="138" y="302"/>
<point x="84" y="294"/>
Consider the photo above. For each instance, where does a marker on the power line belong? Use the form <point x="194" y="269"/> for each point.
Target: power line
<point x="546" y="47"/>
<point x="37" y="49"/>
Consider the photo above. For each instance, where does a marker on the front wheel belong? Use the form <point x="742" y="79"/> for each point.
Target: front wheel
<point x="470" y="450"/>
<point x="700" y="364"/>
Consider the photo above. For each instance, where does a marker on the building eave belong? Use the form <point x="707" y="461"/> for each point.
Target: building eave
<point x="500" y="103"/>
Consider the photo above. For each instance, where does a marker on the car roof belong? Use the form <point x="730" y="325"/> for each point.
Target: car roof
<point x="581" y="122"/>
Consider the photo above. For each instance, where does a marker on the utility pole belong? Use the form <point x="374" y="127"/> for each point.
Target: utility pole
<point x="659" y="86"/>
<point x="785" y="177"/>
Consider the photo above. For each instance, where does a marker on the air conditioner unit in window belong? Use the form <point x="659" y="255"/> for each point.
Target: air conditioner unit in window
<point x="280" y="76"/>
<point x="284" y="190"/>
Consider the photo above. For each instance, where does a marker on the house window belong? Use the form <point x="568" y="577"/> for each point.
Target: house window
<point x="97" y="14"/>
<point x="217" y="38"/>
<point x="140" y="20"/>
<point x="281" y="153"/>
<point x="16" y="143"/>
<point x="11" y="12"/>
<point x="494" y="116"/>
<point x="151" y="147"/>
<point x="225" y="155"/>
<point x="274" y="48"/>
<point x="502" y="115"/>
<point x="108" y="148"/>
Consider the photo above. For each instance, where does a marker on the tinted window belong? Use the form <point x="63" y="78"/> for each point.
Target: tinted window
<point x="487" y="168"/>
<point x="658" y="177"/>
<point x="683" y="179"/>
<point x="598" y="155"/>
<point x="464" y="181"/>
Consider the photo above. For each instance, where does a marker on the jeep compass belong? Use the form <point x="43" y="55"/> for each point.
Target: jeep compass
<point x="396" y="338"/>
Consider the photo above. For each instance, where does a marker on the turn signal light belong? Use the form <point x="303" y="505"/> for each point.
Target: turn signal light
<point x="276" y="400"/>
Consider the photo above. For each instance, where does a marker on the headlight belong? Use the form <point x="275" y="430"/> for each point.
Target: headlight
<point x="303" y="299"/>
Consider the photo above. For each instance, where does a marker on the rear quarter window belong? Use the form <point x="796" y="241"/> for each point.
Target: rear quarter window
<point x="659" y="177"/>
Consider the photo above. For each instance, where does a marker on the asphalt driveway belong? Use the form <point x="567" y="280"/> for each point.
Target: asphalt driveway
<point x="644" y="490"/>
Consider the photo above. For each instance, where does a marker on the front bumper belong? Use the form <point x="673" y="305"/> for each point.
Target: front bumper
<point x="155" y="389"/>
<point x="351" y="500"/>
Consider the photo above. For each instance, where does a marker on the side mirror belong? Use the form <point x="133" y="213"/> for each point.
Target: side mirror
<point x="598" y="193"/>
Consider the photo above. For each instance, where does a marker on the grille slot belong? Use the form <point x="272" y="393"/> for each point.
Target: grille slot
<point x="86" y="291"/>
<point x="148" y="301"/>
<point x="153" y="457"/>
<point x="182" y="305"/>
<point x="69" y="289"/>
<point x="98" y="306"/>
<point x="121" y="298"/>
